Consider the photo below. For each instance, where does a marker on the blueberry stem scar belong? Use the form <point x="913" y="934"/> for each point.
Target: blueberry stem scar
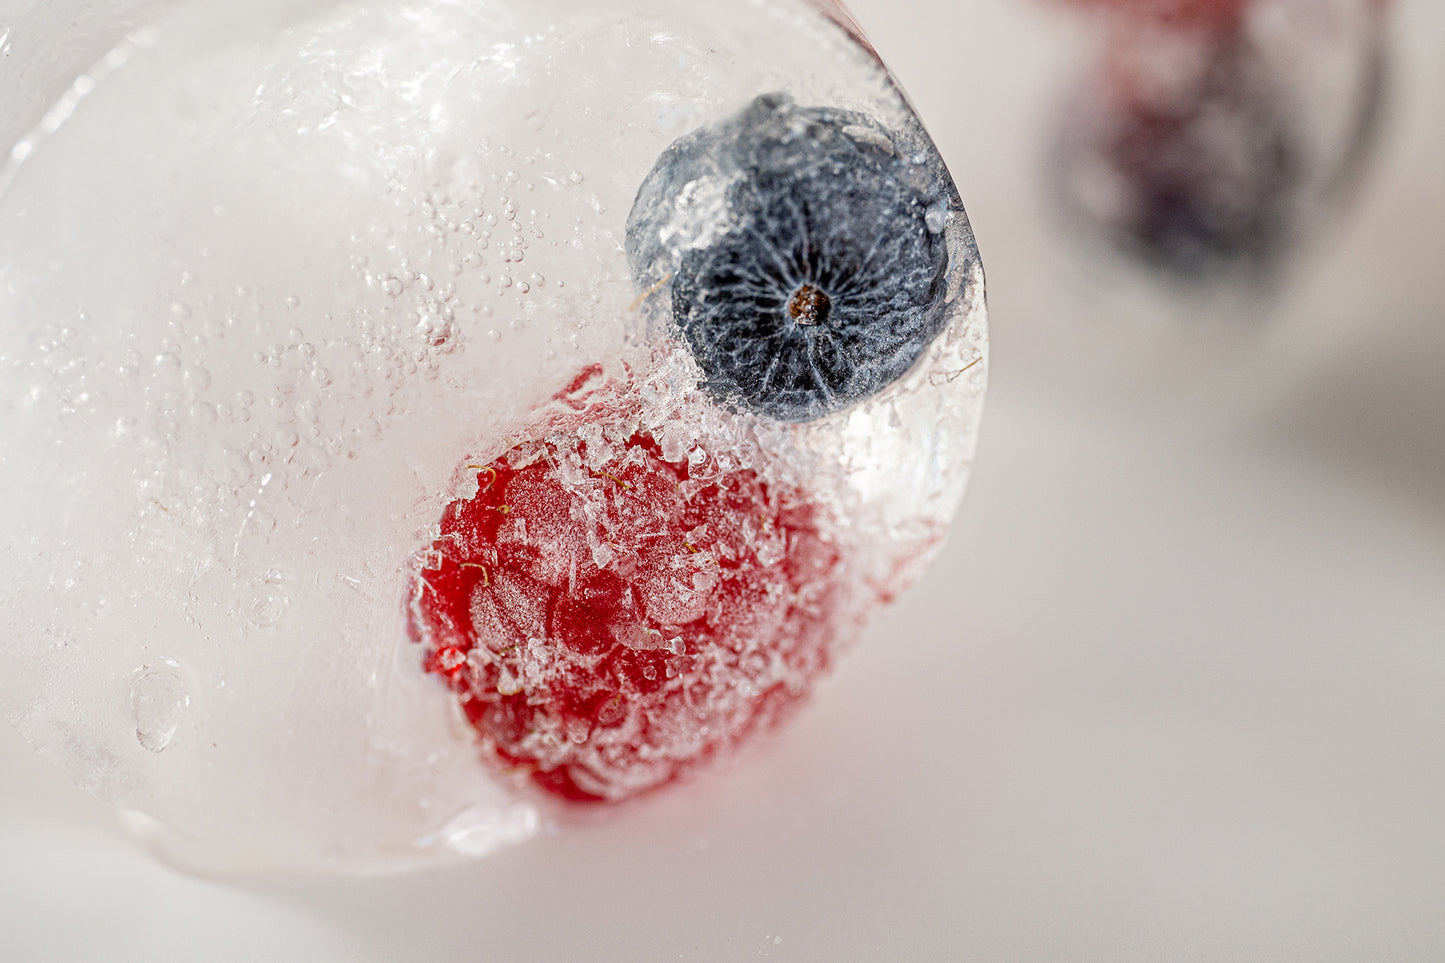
<point x="809" y="305"/>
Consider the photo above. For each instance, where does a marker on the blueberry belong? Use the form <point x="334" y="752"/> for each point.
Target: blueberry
<point x="805" y="253"/>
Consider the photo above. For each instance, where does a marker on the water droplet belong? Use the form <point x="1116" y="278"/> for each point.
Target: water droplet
<point x="159" y="698"/>
<point x="267" y="609"/>
<point x="479" y="830"/>
<point x="392" y="286"/>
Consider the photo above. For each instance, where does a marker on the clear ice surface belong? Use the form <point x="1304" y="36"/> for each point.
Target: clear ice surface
<point x="271" y="276"/>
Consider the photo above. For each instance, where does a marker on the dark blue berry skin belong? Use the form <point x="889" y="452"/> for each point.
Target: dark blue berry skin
<point x="805" y="269"/>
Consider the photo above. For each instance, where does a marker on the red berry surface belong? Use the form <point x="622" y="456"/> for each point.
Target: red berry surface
<point x="1216" y="14"/>
<point x="610" y="619"/>
<point x="1211" y="15"/>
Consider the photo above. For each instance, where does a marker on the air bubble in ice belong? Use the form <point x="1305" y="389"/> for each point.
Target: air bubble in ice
<point x="936" y="218"/>
<point x="159" y="698"/>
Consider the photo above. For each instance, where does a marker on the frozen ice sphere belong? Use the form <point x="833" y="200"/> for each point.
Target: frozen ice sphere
<point x="279" y="284"/>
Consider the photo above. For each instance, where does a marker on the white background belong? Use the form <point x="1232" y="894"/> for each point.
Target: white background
<point x="1173" y="692"/>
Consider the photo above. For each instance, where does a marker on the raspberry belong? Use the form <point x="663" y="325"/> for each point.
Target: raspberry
<point x="609" y="628"/>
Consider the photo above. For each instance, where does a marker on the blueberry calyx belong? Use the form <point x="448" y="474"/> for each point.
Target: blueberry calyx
<point x="809" y="305"/>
